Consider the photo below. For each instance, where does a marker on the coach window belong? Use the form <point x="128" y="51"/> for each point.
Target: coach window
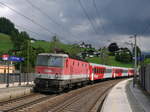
<point x="100" y="70"/>
<point x="94" y="70"/>
<point x="110" y="70"/>
<point x="125" y="71"/>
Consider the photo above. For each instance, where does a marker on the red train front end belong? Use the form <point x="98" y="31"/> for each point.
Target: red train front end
<point x="56" y="72"/>
<point x="49" y="72"/>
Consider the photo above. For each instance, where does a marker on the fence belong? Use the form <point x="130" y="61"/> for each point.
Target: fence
<point x="144" y="77"/>
<point x="17" y="77"/>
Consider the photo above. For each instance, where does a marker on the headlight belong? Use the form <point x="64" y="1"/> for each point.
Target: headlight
<point x="56" y="76"/>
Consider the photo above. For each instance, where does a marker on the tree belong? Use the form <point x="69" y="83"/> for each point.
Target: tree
<point x="74" y="51"/>
<point x="29" y="53"/>
<point x="104" y="55"/>
<point x="138" y="51"/>
<point x="18" y="39"/>
<point x="39" y="50"/>
<point x="113" y="47"/>
<point x="6" y="26"/>
<point x="123" y="55"/>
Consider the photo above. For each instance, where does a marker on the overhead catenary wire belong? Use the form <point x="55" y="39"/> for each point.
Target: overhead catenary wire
<point x="31" y="20"/>
<point x="142" y="33"/>
<point x="86" y="14"/>
<point x="48" y="16"/>
<point x="41" y="11"/>
<point x="28" y="30"/>
<point x="98" y="14"/>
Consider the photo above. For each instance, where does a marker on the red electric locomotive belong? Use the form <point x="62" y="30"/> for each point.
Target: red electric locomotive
<point x="55" y="72"/>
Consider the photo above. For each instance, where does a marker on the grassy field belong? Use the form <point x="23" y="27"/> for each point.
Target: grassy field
<point x="110" y="61"/>
<point x="5" y="43"/>
<point x="49" y="45"/>
<point x="45" y="45"/>
<point x="147" y="61"/>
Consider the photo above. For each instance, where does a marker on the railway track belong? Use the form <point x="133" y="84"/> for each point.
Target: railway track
<point x="86" y="99"/>
<point x="23" y="102"/>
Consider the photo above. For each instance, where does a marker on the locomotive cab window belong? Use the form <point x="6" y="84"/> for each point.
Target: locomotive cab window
<point x="51" y="61"/>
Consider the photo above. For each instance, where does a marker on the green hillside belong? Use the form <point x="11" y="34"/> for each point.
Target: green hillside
<point x="147" y="61"/>
<point x="49" y="45"/>
<point x="110" y="61"/>
<point x="45" y="45"/>
<point x="5" y="43"/>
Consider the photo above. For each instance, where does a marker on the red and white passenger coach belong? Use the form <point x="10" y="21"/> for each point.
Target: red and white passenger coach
<point x="56" y="72"/>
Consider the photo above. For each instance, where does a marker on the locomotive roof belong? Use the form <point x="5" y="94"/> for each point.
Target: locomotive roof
<point x="53" y="54"/>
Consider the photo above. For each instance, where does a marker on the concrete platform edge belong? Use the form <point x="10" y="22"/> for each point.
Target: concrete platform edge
<point x="23" y="91"/>
<point x="116" y="100"/>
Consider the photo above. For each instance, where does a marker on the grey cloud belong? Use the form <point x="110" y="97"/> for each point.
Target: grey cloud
<point x="118" y="17"/>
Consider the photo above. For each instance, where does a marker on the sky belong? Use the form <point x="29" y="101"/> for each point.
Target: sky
<point x="99" y="22"/>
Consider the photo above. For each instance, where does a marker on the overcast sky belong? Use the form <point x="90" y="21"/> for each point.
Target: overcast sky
<point x="99" y="22"/>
